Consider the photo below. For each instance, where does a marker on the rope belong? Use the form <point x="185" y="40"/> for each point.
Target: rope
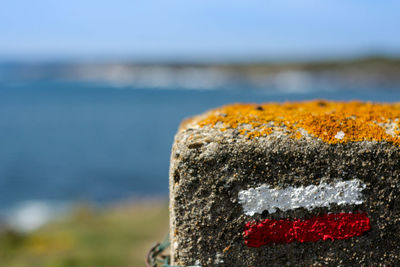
<point x="154" y="256"/>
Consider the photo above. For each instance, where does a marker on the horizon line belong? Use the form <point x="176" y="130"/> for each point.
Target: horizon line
<point x="210" y="60"/>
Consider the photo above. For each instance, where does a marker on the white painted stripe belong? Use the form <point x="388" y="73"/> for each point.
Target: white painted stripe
<point x="256" y="200"/>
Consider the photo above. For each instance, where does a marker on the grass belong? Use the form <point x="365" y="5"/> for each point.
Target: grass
<point x="116" y="236"/>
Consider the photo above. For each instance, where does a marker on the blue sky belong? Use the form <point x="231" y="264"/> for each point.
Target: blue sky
<point x="197" y="28"/>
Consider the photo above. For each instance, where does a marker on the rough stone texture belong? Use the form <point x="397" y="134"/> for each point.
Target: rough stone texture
<point x="209" y="167"/>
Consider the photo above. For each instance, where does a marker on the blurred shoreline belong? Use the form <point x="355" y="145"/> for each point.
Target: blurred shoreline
<point x="31" y="215"/>
<point x="361" y="72"/>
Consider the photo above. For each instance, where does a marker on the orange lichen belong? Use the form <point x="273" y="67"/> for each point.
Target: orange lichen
<point x="332" y="122"/>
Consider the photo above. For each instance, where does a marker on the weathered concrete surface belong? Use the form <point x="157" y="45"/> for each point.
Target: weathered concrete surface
<point x="210" y="166"/>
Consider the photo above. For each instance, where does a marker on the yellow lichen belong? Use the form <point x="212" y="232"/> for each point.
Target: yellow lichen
<point x="332" y="122"/>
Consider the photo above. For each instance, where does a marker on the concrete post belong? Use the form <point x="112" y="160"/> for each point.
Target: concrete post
<point x="294" y="184"/>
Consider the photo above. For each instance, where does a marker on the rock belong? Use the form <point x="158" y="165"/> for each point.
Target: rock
<point x="312" y="183"/>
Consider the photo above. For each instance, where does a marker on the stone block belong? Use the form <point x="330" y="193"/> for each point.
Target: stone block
<point x="293" y="184"/>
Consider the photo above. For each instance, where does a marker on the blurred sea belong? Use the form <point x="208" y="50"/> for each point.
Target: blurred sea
<point x="104" y="138"/>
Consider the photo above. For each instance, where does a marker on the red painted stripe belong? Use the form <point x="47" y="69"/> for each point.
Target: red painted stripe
<point x="328" y="226"/>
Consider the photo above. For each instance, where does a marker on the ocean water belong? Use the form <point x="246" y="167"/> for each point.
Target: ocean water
<point x="65" y="141"/>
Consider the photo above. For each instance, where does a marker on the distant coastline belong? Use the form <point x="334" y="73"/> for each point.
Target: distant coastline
<point x="359" y="73"/>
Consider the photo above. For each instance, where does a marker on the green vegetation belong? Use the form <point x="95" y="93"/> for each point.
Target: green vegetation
<point x="116" y="236"/>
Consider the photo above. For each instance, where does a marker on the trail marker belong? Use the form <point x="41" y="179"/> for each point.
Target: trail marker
<point x="309" y="183"/>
